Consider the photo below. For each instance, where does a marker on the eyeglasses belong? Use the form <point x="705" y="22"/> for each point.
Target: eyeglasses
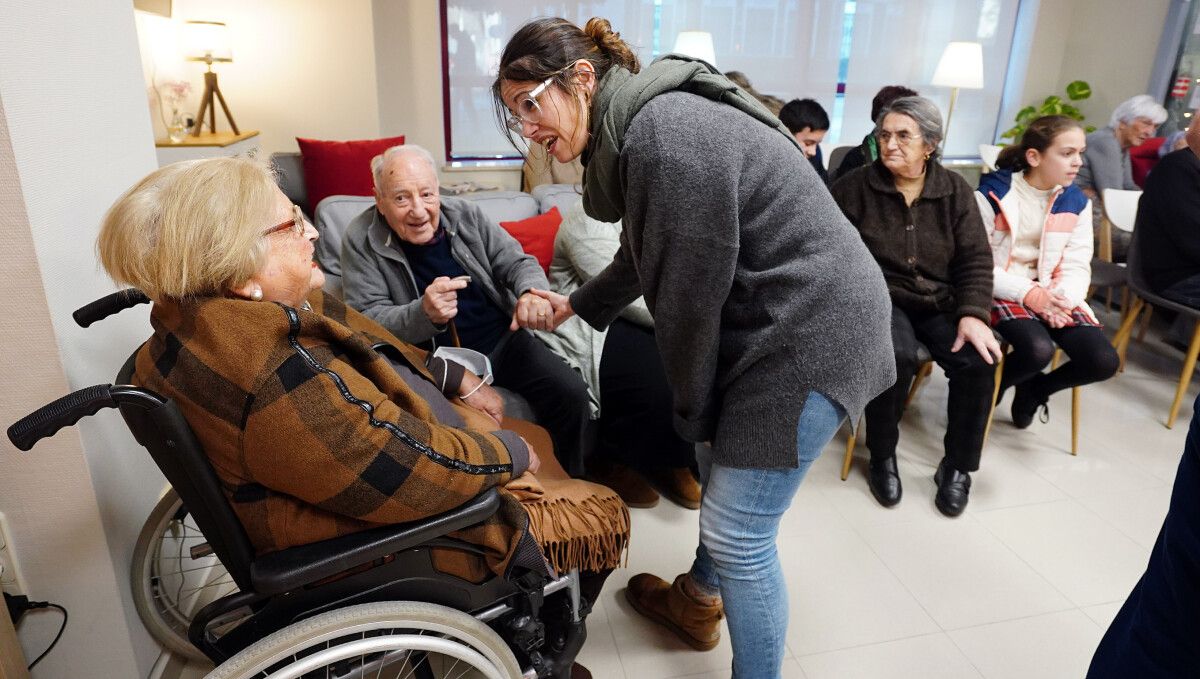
<point x="296" y="224"/>
<point x="528" y="109"/>
<point x="903" y="138"/>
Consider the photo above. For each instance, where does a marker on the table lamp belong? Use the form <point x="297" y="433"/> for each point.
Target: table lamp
<point x="696" y="44"/>
<point x="208" y="41"/>
<point x="961" y="65"/>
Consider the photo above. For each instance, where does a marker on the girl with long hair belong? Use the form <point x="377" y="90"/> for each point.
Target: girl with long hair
<point x="1040" y="227"/>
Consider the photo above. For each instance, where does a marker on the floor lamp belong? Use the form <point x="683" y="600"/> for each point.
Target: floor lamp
<point x="208" y="41"/>
<point x="961" y="66"/>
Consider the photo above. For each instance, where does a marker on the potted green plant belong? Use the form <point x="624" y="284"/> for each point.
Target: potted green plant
<point x="1053" y="105"/>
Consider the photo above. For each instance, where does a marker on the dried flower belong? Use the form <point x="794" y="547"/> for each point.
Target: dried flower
<point x="175" y="92"/>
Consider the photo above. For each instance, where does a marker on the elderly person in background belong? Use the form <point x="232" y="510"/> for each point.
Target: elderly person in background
<point x="625" y="376"/>
<point x="867" y="152"/>
<point x="433" y="269"/>
<point x="317" y="420"/>
<point x="920" y="222"/>
<point x="1106" y="163"/>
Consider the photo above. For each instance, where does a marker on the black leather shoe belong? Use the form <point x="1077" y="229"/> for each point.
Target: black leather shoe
<point x="953" y="488"/>
<point x="1026" y="402"/>
<point x="884" y="481"/>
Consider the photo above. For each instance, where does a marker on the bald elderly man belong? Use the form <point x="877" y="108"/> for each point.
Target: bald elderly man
<point x="437" y="271"/>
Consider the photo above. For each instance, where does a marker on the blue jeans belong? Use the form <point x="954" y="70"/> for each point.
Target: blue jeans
<point x="739" y="521"/>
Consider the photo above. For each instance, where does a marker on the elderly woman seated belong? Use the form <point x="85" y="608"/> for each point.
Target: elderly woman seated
<point x="313" y="432"/>
<point x="919" y="221"/>
<point x="1106" y="162"/>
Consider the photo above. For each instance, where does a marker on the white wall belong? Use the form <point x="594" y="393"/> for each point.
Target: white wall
<point x="1111" y="44"/>
<point x="300" y="68"/>
<point x="76" y="134"/>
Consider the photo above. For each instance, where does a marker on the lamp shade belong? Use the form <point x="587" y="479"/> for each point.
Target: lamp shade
<point x="961" y="66"/>
<point x="697" y="44"/>
<point x="206" y="41"/>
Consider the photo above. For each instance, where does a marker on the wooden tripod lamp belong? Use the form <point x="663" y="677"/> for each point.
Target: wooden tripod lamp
<point x="208" y="41"/>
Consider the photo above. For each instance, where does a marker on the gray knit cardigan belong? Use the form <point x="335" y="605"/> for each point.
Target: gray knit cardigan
<point x="761" y="290"/>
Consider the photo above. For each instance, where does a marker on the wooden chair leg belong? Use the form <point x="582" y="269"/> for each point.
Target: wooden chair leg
<point x="1121" y="339"/>
<point x="850" y="442"/>
<point x="1145" y="325"/>
<point x="1185" y="376"/>
<point x="995" y="397"/>
<point x="1075" y="421"/>
<point x="1108" y="300"/>
<point x="1054" y="361"/>
<point x="923" y="372"/>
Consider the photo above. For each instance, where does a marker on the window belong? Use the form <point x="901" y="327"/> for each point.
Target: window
<point x="838" y="52"/>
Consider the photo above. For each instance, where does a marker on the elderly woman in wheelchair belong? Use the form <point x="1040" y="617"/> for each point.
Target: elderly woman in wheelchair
<point x="321" y="425"/>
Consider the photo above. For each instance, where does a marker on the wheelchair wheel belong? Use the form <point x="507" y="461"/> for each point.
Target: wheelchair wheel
<point x="174" y="575"/>
<point x="384" y="639"/>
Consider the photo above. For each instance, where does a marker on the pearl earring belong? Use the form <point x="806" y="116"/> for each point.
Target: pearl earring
<point x="256" y="295"/>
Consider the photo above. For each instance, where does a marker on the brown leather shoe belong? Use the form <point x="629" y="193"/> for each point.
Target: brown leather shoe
<point x="679" y="485"/>
<point x="627" y="483"/>
<point x="580" y="672"/>
<point x="697" y="624"/>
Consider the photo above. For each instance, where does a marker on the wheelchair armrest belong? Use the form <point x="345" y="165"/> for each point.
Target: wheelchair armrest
<point x="295" y="567"/>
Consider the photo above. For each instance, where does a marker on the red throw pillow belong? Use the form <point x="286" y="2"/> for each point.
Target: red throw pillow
<point x="340" y="168"/>
<point x="536" y="235"/>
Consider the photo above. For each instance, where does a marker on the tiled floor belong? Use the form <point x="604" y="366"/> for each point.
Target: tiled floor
<point x="1021" y="586"/>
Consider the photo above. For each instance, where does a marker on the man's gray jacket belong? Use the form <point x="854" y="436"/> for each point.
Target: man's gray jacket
<point x="379" y="281"/>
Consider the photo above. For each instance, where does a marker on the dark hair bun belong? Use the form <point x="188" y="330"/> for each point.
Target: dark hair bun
<point x="609" y="41"/>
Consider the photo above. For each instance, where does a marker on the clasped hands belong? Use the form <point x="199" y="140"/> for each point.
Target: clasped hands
<point x="541" y="310"/>
<point x="536" y="309"/>
<point x="1051" y="306"/>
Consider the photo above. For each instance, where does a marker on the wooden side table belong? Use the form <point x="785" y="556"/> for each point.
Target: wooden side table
<point x="207" y="145"/>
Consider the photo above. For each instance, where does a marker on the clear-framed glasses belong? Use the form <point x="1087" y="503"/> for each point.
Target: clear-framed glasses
<point x="528" y="109"/>
<point x="902" y="138"/>
<point x="295" y="224"/>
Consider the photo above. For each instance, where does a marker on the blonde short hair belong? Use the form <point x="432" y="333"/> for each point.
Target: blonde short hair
<point x="190" y="229"/>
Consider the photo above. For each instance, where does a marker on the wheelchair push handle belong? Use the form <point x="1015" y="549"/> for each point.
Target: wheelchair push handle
<point x="108" y="305"/>
<point x="64" y="412"/>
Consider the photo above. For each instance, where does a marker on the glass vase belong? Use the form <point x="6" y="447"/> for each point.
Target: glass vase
<point x="177" y="128"/>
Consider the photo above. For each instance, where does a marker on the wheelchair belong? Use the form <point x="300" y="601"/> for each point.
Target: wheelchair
<point x="366" y="604"/>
